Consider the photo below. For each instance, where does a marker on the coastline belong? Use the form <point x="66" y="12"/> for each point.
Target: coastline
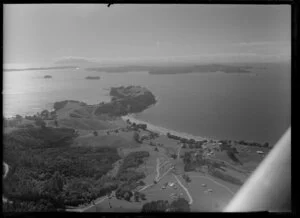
<point x="162" y="130"/>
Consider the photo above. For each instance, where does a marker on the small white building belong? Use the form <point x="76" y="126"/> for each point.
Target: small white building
<point x="171" y="184"/>
<point x="259" y="152"/>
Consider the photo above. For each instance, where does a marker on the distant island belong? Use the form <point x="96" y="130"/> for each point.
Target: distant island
<point x="209" y="68"/>
<point x="171" y="69"/>
<point x="92" y="77"/>
<point x="43" y="68"/>
<point x="47" y="77"/>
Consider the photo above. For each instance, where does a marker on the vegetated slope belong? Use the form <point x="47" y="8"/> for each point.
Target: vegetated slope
<point x="125" y="100"/>
<point x="47" y="173"/>
<point x="107" y="140"/>
<point x="178" y="205"/>
<point x="86" y="124"/>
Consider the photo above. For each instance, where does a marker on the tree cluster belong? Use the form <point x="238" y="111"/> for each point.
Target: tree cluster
<point x="47" y="173"/>
<point x="178" y="205"/>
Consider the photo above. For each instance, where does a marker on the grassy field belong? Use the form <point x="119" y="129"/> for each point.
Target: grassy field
<point x="85" y="124"/>
<point x="214" y="201"/>
<point x="124" y="140"/>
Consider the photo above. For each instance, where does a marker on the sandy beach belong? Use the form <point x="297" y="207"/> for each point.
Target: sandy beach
<point x="163" y="131"/>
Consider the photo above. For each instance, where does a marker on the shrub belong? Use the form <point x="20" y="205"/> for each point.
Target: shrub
<point x="41" y="123"/>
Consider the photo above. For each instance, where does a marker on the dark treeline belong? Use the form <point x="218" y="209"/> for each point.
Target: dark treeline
<point x="187" y="141"/>
<point x="178" y="205"/>
<point x="129" y="179"/>
<point x="47" y="173"/>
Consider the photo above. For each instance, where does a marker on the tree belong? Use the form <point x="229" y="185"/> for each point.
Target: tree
<point x="186" y="178"/>
<point x="142" y="183"/>
<point x="266" y="145"/>
<point x="143" y="196"/>
<point x="155" y="206"/>
<point x="136" y="137"/>
<point x="95" y="133"/>
<point x="128" y="195"/>
<point x="180" y="205"/>
<point x="174" y="156"/>
<point x="136" y="196"/>
<point x="18" y="118"/>
<point x="56" y="123"/>
<point x="41" y="123"/>
<point x="232" y="156"/>
<point x="54" y="186"/>
<point x="58" y="181"/>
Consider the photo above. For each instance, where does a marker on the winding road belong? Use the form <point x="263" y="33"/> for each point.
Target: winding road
<point x="179" y="151"/>
<point x="158" y="177"/>
<point x="185" y="189"/>
<point x="87" y="207"/>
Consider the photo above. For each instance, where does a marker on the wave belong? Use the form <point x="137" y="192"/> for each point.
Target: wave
<point x="162" y="130"/>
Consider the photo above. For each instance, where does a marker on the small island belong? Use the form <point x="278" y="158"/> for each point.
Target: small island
<point x="93" y="77"/>
<point x="47" y="77"/>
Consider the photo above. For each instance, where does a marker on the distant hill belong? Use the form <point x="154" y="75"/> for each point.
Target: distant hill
<point x="171" y="69"/>
<point x="43" y="68"/>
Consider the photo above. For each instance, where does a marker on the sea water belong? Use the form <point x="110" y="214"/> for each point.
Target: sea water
<point x="251" y="107"/>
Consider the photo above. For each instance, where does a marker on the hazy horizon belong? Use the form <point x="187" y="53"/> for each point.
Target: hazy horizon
<point x="44" y="34"/>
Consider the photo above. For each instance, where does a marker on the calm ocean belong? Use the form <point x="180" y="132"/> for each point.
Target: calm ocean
<point x="217" y="105"/>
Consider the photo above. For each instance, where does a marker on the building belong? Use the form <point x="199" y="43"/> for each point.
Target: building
<point x="259" y="152"/>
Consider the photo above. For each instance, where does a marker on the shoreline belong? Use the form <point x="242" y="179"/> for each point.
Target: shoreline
<point x="162" y="130"/>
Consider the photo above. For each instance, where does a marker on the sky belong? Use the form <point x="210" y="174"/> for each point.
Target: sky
<point x="245" y="33"/>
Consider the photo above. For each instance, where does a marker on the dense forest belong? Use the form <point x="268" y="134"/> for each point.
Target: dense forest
<point x="47" y="173"/>
<point x="178" y="205"/>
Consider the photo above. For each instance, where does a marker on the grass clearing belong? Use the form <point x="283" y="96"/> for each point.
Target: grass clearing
<point x="107" y="140"/>
<point x="214" y="201"/>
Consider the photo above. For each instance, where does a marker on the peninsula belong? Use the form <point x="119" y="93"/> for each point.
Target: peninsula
<point x="98" y="158"/>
